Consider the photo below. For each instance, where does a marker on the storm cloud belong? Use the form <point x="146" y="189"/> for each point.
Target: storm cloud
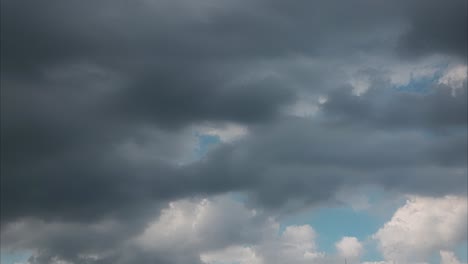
<point x="103" y="103"/>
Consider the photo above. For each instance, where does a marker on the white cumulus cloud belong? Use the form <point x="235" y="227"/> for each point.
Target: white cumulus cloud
<point x="349" y="247"/>
<point x="448" y="257"/>
<point x="423" y="226"/>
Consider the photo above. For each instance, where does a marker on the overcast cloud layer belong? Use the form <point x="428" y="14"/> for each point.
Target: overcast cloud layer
<point x="103" y="104"/>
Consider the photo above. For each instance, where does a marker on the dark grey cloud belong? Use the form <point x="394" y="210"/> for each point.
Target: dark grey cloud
<point x="99" y="100"/>
<point x="436" y="109"/>
<point x="435" y="28"/>
<point x="300" y="160"/>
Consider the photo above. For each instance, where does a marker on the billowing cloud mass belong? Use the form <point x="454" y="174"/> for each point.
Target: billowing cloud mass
<point x="174" y="131"/>
<point x="423" y="226"/>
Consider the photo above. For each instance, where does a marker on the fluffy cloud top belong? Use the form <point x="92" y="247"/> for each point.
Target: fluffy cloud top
<point x="296" y="244"/>
<point x="448" y="257"/>
<point x="423" y="226"/>
<point x="188" y="225"/>
<point x="349" y="247"/>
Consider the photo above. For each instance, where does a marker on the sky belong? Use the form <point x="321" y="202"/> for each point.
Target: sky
<point x="233" y="132"/>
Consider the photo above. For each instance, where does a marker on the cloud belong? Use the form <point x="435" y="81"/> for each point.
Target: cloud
<point x="431" y="31"/>
<point x="221" y="230"/>
<point x="296" y="244"/>
<point x="376" y="262"/>
<point x="236" y="254"/>
<point x="190" y="230"/>
<point x="355" y="140"/>
<point x="224" y="231"/>
<point x="422" y="226"/>
<point x="81" y="96"/>
<point x="455" y="77"/>
<point x="226" y="133"/>
<point x="102" y="102"/>
<point x="349" y="247"/>
<point x="299" y="159"/>
<point x="448" y="257"/>
<point x="389" y="110"/>
<point x="214" y="223"/>
<point x="183" y="230"/>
